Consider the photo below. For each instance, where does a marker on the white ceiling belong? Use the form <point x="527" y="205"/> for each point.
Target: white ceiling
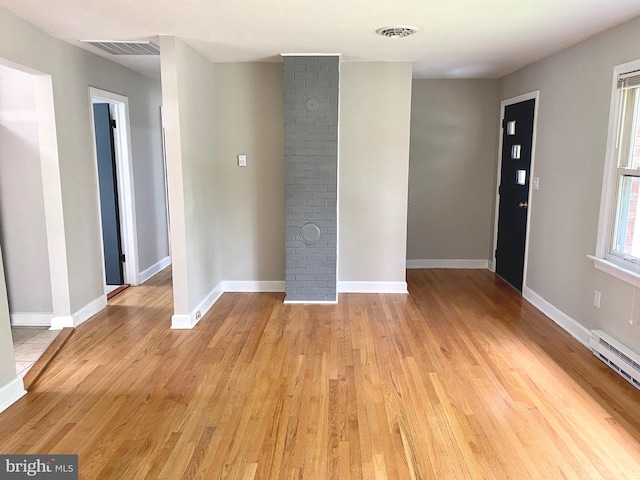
<point x="456" y="38"/>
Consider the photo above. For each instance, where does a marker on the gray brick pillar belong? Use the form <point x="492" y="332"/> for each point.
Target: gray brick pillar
<point x="311" y="176"/>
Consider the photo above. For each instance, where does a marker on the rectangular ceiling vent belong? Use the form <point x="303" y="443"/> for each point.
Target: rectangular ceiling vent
<point x="619" y="357"/>
<point x="126" y="48"/>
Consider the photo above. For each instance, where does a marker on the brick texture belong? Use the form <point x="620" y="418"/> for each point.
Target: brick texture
<point x="311" y="169"/>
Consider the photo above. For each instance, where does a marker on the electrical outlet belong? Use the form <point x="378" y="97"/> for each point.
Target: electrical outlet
<point x="242" y="160"/>
<point x="198" y="315"/>
<point x="596" y="298"/>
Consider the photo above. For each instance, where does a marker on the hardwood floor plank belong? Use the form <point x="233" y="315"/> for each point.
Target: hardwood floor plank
<point x="460" y="379"/>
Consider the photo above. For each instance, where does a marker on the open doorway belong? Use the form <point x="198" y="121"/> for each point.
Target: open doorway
<point x="110" y="118"/>
<point x="23" y="229"/>
<point x="31" y="223"/>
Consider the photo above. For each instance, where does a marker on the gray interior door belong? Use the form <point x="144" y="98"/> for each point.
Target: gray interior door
<point x="108" y="194"/>
<point x="517" y="145"/>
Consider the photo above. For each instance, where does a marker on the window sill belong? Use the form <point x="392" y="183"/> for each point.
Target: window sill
<point x="615" y="270"/>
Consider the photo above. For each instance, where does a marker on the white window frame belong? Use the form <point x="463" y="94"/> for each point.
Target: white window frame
<point x="604" y="259"/>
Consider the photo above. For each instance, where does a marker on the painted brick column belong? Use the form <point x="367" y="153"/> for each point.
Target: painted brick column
<point x="311" y="176"/>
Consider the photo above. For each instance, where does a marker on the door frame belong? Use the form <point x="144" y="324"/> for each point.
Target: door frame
<point x="535" y="95"/>
<point x="119" y="108"/>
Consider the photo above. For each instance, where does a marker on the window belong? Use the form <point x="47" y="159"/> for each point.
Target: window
<point x="626" y="233"/>
<point x="619" y="229"/>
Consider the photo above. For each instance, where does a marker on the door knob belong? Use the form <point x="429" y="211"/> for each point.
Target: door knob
<point x="523" y="204"/>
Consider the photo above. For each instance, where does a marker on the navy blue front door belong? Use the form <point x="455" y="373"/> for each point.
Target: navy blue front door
<point x="517" y="144"/>
<point x="108" y="194"/>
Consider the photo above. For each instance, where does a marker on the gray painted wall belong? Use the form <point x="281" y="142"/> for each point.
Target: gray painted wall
<point x="375" y="112"/>
<point x="575" y="92"/>
<point x="7" y="362"/>
<point x="452" y="169"/>
<point x="72" y="71"/>
<point x="250" y="120"/>
<point x="148" y="172"/>
<point x="23" y="234"/>
<point x="188" y="89"/>
<point x="311" y="172"/>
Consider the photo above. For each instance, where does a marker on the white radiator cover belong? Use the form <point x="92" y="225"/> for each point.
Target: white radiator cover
<point x="617" y="356"/>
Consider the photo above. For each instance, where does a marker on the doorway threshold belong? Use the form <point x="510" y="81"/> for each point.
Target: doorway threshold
<point x="113" y="290"/>
<point x="40" y="365"/>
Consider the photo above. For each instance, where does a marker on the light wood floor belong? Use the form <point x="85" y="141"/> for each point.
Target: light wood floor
<point x="460" y="379"/>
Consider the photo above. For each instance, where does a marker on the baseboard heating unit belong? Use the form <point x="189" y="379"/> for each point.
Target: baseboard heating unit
<point x="619" y="357"/>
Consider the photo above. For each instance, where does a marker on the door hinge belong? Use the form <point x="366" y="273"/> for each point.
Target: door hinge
<point x="495" y="253"/>
<point x="123" y="259"/>
<point x="112" y="123"/>
<point x="503" y="123"/>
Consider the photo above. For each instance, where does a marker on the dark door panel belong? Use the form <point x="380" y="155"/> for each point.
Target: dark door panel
<point x="517" y="144"/>
<point x="108" y="194"/>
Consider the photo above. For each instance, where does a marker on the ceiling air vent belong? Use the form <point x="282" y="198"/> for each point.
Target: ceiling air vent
<point x="396" y="32"/>
<point x="126" y="48"/>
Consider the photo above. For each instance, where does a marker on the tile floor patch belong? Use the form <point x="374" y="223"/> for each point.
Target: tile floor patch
<point x="22" y="366"/>
<point x="29" y="343"/>
<point x="46" y="336"/>
<point x="22" y="334"/>
<point x="29" y="352"/>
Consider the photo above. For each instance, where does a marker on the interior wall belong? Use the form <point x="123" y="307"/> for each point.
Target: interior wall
<point x="249" y="120"/>
<point x="197" y="127"/>
<point x="23" y="232"/>
<point x="145" y="99"/>
<point x="188" y="95"/>
<point x="7" y="361"/>
<point x="373" y="164"/>
<point x="575" y="93"/>
<point x="72" y="71"/>
<point x="451" y="169"/>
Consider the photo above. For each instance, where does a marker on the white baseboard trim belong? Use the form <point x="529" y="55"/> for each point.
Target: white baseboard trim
<point x="181" y="322"/>
<point x="27" y="319"/>
<point x="310" y="302"/>
<point x="186" y="322"/>
<point x="479" y="264"/>
<point x="253" y="286"/>
<point x="372" y="287"/>
<point x="569" y="324"/>
<point x="11" y="393"/>
<point x="343" y="287"/>
<point x="492" y="266"/>
<point x="155" y="268"/>
<point x="62" y="321"/>
<point x="89" y="310"/>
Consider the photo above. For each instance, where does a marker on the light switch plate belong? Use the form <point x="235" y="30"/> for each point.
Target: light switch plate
<point x="242" y="160"/>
